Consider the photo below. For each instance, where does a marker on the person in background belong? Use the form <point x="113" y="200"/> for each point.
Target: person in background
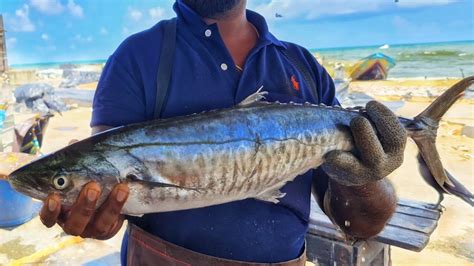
<point x="224" y="53"/>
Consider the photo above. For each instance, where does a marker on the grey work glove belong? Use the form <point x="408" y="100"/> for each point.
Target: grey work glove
<point x="377" y="156"/>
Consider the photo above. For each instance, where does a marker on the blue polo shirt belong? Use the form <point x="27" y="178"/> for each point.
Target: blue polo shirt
<point x="205" y="77"/>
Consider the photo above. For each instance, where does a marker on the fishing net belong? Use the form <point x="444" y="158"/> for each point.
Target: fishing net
<point x="39" y="97"/>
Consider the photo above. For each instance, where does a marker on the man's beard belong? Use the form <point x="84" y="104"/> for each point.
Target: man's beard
<point x="213" y="9"/>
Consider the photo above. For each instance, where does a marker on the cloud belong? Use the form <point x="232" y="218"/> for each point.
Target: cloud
<point x="104" y="31"/>
<point x="157" y="13"/>
<point x="126" y="31"/>
<point x="48" y="7"/>
<point x="55" y="7"/>
<point x="420" y="3"/>
<point x="154" y="14"/>
<point x="412" y="29"/>
<point x="146" y="17"/>
<point x="83" y="39"/>
<point x="75" y="9"/>
<point x="44" y="36"/>
<point x="11" y="42"/>
<point x="135" y="14"/>
<point x="21" y="21"/>
<point x="400" y="22"/>
<point x="311" y="9"/>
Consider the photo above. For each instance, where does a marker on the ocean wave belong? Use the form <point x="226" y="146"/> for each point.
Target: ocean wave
<point x="435" y="60"/>
<point x="434" y="53"/>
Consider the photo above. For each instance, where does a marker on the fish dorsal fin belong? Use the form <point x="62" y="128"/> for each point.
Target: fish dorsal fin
<point x="254" y="98"/>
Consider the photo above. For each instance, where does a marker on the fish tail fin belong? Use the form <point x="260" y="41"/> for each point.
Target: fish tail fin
<point x="441" y="105"/>
<point x="424" y="129"/>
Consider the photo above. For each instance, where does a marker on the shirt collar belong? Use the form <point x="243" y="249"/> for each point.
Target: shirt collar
<point x="198" y="26"/>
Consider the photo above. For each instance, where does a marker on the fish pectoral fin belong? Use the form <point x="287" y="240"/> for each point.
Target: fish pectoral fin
<point x="135" y="215"/>
<point x="254" y="98"/>
<point x="271" y="196"/>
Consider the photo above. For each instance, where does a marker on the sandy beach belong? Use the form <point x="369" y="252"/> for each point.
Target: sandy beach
<point x="451" y="243"/>
<point x="401" y="53"/>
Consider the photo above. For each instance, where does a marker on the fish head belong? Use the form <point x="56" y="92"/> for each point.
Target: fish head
<point x="59" y="174"/>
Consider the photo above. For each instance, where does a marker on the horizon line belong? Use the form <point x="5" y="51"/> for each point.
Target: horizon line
<point x="90" y="61"/>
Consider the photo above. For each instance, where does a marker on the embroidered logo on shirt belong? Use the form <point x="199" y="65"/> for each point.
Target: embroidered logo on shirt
<point x="296" y="84"/>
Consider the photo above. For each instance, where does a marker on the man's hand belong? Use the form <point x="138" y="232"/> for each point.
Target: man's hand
<point x="359" y="200"/>
<point x="378" y="156"/>
<point x="81" y="219"/>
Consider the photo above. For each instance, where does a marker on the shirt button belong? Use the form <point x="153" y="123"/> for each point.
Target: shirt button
<point x="224" y="66"/>
<point x="208" y="33"/>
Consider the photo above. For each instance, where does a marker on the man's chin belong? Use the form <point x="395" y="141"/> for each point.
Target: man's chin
<point x="213" y="9"/>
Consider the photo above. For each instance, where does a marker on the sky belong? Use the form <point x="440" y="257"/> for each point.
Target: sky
<point x="75" y="30"/>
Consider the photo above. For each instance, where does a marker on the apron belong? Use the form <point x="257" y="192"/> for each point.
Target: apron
<point x="146" y="249"/>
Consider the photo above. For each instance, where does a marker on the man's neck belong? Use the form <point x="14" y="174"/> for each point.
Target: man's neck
<point x="237" y="33"/>
<point x="233" y="24"/>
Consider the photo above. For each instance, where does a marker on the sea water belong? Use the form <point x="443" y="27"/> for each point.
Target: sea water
<point x="54" y="65"/>
<point x="425" y="60"/>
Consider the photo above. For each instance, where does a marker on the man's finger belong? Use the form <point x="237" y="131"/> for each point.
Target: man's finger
<point x="367" y="142"/>
<point x="392" y="134"/>
<point x="90" y="232"/>
<point x="50" y="211"/>
<point x="112" y="231"/>
<point x="83" y="210"/>
<point x="109" y="213"/>
<point x="346" y="169"/>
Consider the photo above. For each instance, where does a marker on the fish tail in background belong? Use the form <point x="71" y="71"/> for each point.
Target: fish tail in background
<point x="459" y="190"/>
<point x="423" y="131"/>
<point x="456" y="188"/>
<point x="429" y="178"/>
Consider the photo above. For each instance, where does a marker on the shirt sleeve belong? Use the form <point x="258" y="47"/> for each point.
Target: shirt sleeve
<point x="119" y="98"/>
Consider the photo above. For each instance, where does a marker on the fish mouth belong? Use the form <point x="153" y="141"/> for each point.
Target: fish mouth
<point x="26" y="190"/>
<point x="20" y="182"/>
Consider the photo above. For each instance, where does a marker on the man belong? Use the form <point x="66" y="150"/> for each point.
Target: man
<point x="223" y="54"/>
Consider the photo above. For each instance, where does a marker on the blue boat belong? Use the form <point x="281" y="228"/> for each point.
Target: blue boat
<point x="372" y="67"/>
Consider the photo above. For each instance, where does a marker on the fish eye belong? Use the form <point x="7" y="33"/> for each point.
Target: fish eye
<point x="60" y="182"/>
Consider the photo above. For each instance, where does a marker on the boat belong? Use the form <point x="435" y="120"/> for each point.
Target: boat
<point x="372" y="67"/>
<point x="385" y="46"/>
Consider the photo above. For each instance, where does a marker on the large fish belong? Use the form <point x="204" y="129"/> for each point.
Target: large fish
<point x="248" y="151"/>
